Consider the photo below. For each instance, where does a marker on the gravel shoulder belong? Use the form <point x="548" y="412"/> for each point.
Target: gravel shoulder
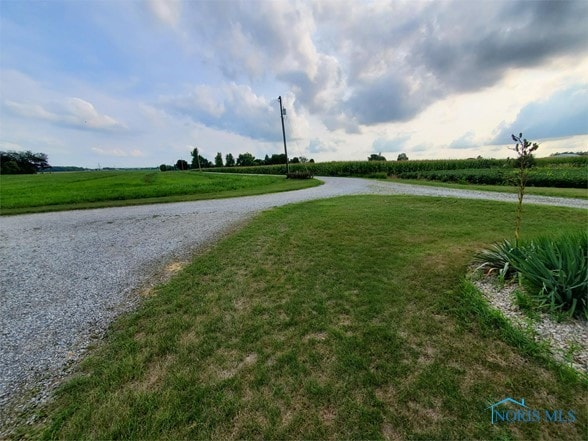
<point x="66" y="275"/>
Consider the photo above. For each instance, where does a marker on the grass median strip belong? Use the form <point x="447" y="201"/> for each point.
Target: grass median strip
<point x="343" y="318"/>
<point x="78" y="190"/>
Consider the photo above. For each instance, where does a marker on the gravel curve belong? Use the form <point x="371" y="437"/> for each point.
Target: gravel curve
<point x="66" y="275"/>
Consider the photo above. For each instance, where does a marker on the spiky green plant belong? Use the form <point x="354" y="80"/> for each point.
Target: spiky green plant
<point x="554" y="270"/>
<point x="497" y="259"/>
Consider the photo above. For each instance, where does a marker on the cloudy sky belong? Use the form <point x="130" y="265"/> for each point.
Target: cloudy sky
<point x="140" y="83"/>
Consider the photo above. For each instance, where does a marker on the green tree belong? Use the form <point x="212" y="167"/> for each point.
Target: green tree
<point x="229" y="160"/>
<point x="376" y="157"/>
<point x="218" y="160"/>
<point x="402" y="157"/>
<point x="12" y="162"/>
<point x="277" y="159"/>
<point x="245" y="159"/>
<point x="182" y="164"/>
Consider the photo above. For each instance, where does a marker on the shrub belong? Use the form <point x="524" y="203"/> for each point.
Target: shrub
<point x="299" y="175"/>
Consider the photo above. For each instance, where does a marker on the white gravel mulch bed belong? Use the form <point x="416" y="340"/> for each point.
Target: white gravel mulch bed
<point x="567" y="340"/>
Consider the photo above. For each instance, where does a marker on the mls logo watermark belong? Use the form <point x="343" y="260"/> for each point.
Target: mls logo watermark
<point x="519" y="412"/>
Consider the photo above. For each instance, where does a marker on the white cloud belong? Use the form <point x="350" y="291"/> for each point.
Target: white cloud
<point x="232" y="107"/>
<point x="29" y="110"/>
<point x="168" y="11"/>
<point x="71" y="112"/>
<point x="84" y="114"/>
<point x="118" y="152"/>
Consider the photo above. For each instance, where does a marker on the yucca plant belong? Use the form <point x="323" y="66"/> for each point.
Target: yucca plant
<point x="498" y="259"/>
<point x="555" y="272"/>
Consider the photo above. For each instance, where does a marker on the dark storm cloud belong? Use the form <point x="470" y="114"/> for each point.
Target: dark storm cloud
<point x="446" y="48"/>
<point x="475" y="47"/>
<point x="386" y="99"/>
<point x="354" y="64"/>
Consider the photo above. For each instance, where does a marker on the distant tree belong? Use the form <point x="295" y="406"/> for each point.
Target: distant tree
<point x="229" y="160"/>
<point x="218" y="160"/>
<point x="163" y="167"/>
<point x="304" y="159"/>
<point x="310" y="160"/>
<point x="569" y="154"/>
<point x="267" y="160"/>
<point x="199" y="161"/>
<point x="374" y="157"/>
<point x="12" y="162"/>
<point x="245" y="159"/>
<point x="205" y="163"/>
<point x="277" y="159"/>
<point x="402" y="157"/>
<point x="295" y="160"/>
<point x="182" y="164"/>
<point x="65" y="168"/>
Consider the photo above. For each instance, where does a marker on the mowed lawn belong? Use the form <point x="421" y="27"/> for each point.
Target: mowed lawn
<point x="75" y="190"/>
<point x="344" y="318"/>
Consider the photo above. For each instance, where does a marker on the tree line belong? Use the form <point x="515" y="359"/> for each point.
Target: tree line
<point x="20" y="163"/>
<point x="243" y="160"/>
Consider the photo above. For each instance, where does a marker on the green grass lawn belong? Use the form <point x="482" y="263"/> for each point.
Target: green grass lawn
<point x="579" y="193"/>
<point x="344" y="318"/>
<point x="76" y="190"/>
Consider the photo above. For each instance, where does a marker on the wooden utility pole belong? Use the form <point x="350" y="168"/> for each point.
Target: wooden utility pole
<point x="282" y="112"/>
<point x="198" y="158"/>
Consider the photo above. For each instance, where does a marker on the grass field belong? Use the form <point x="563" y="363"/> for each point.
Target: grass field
<point x="76" y="190"/>
<point x="345" y="318"/>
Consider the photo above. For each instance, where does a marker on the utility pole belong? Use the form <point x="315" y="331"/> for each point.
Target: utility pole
<point x="198" y="158"/>
<point x="282" y="113"/>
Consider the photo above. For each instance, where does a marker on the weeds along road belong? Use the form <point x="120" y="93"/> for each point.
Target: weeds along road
<point x="66" y="275"/>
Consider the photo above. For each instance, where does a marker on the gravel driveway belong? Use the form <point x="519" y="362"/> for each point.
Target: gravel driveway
<point x="66" y="275"/>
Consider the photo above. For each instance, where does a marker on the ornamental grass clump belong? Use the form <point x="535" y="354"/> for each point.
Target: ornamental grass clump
<point x="497" y="259"/>
<point x="554" y="271"/>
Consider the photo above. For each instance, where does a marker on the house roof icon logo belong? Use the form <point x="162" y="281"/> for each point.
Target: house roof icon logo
<point x="504" y="401"/>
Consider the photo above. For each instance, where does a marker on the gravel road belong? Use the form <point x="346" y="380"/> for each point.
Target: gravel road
<point x="66" y="275"/>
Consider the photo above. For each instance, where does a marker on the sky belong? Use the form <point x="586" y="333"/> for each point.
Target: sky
<point x="138" y="83"/>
